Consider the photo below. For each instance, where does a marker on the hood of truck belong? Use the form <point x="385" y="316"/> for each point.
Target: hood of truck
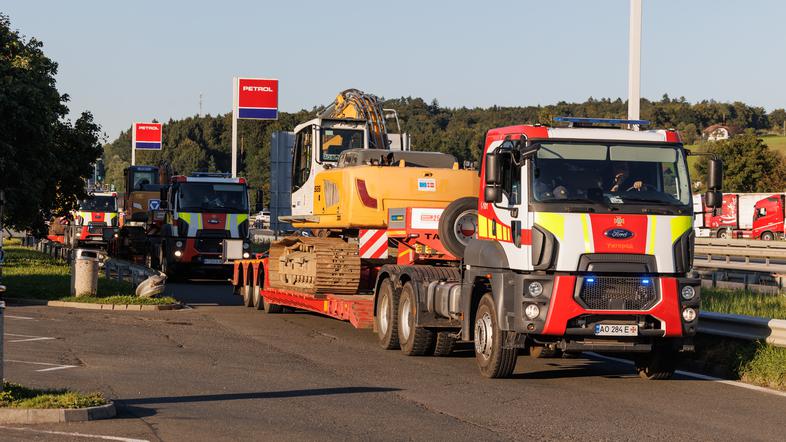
<point x="235" y="224"/>
<point x="580" y="234"/>
<point x="85" y="217"/>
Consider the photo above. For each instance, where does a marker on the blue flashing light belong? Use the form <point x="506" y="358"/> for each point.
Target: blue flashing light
<point x="587" y="121"/>
<point x="645" y="281"/>
<point x="589" y="279"/>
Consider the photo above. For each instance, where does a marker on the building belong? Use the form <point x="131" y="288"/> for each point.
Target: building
<point x="717" y="132"/>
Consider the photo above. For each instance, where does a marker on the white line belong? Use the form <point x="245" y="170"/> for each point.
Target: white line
<point x="703" y="377"/>
<point x="29" y="338"/>
<point x="63" y="433"/>
<point x="53" y="366"/>
<point x="17" y="317"/>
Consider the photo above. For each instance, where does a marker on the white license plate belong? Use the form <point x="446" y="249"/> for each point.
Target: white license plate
<point x="616" y="330"/>
<point x="212" y="261"/>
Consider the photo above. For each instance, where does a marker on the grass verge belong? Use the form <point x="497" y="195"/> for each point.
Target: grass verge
<point x="17" y="396"/>
<point x="751" y="362"/>
<point x="740" y="302"/>
<point x="31" y="274"/>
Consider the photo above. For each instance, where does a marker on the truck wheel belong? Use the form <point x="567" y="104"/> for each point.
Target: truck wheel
<point x="256" y="297"/>
<point x="656" y="365"/>
<point x="247" y="292"/>
<point x="723" y="233"/>
<point x="271" y="308"/>
<point x="414" y="341"/>
<point x="387" y="315"/>
<point x="458" y="224"/>
<point x="493" y="360"/>
<point x="767" y="236"/>
<point x="446" y="341"/>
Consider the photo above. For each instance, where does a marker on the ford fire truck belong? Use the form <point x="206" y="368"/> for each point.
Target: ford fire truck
<point x="197" y="213"/>
<point x="96" y="212"/>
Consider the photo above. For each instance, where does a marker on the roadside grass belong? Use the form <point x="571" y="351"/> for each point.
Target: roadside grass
<point x="33" y="275"/>
<point x="17" y="396"/>
<point x="12" y="242"/>
<point x="755" y="363"/>
<point x="740" y="302"/>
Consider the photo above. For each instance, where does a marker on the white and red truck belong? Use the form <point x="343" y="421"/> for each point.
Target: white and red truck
<point x="742" y="215"/>
<point x="584" y="243"/>
<point x="95" y="213"/>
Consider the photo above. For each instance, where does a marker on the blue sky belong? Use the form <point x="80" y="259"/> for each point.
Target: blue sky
<point x="134" y="61"/>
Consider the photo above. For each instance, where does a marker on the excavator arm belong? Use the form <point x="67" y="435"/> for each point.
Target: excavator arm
<point x="358" y="105"/>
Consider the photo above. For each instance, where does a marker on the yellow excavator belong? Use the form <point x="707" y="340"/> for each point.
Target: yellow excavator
<point x="347" y="173"/>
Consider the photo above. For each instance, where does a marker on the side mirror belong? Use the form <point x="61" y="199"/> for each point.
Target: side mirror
<point x="713" y="198"/>
<point x="163" y="194"/>
<point x="492" y="194"/>
<point x="260" y="203"/>
<point x="715" y="174"/>
<point x="493" y="172"/>
<point x="163" y="205"/>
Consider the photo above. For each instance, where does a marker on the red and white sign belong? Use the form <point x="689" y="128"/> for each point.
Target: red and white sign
<point x="257" y="98"/>
<point x="373" y="244"/>
<point x="425" y="218"/>
<point x="147" y="136"/>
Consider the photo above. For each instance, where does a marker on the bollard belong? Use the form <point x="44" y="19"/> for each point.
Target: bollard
<point x="85" y="273"/>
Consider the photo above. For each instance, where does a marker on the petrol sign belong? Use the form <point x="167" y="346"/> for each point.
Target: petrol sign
<point x="147" y="136"/>
<point x="257" y="99"/>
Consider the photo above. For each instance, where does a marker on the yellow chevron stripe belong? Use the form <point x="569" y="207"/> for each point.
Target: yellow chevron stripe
<point x="651" y="238"/>
<point x="679" y="225"/>
<point x="553" y="222"/>
<point x="482" y="227"/>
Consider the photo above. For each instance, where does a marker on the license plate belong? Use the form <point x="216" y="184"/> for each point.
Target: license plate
<point x="212" y="261"/>
<point x="616" y="330"/>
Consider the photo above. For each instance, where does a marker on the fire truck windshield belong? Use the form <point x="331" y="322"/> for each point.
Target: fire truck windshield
<point x="212" y="197"/>
<point x="98" y="203"/>
<point x="610" y="174"/>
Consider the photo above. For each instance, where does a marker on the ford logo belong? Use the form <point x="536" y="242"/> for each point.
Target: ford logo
<point x="618" y="234"/>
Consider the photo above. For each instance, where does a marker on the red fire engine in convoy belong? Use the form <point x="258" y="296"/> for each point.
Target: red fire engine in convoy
<point x="584" y="242"/>
<point x="96" y="212"/>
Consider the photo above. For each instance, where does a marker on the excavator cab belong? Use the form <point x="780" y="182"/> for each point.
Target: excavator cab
<point x="142" y="183"/>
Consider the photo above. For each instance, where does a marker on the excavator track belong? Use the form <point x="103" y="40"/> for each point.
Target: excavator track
<point x="314" y="265"/>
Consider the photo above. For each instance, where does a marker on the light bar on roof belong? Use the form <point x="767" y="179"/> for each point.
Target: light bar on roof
<point x="583" y="120"/>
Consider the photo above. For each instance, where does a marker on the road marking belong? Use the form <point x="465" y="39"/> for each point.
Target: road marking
<point x="52" y="367"/>
<point x="17" y="317"/>
<point x="29" y="338"/>
<point x="63" y="433"/>
<point x="703" y="377"/>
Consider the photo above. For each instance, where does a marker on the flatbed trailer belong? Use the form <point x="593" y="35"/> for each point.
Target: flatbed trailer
<point x="249" y="276"/>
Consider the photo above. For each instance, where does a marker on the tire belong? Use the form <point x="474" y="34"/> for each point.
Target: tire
<point x="271" y="309"/>
<point x="493" y="360"/>
<point x="247" y="292"/>
<point x="767" y="236"/>
<point x="656" y="365"/>
<point x="458" y="224"/>
<point x="723" y="233"/>
<point x="414" y="341"/>
<point x="446" y="341"/>
<point x="256" y="296"/>
<point x="386" y="317"/>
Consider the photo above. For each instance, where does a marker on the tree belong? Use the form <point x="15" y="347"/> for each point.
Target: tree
<point x="749" y="165"/>
<point x="777" y="117"/>
<point x="44" y="159"/>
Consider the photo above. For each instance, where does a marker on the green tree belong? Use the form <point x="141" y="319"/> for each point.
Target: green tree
<point x="749" y="165"/>
<point x="777" y="117"/>
<point x="44" y="159"/>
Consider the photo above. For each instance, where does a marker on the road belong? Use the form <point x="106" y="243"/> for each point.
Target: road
<point x="220" y="371"/>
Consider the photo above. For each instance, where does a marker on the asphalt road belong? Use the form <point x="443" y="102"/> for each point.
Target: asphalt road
<point x="221" y="371"/>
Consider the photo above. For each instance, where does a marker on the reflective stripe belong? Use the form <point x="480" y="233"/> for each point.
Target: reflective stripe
<point x="651" y="238"/>
<point x="679" y="225"/>
<point x="482" y="227"/>
<point x="585" y="227"/>
<point x="553" y="222"/>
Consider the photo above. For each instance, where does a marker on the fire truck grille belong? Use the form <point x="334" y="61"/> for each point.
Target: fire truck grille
<point x="618" y="293"/>
<point x="96" y="227"/>
<point x="210" y="241"/>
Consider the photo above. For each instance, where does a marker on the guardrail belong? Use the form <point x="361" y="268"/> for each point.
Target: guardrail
<point x="772" y="331"/>
<point x="120" y="270"/>
<point x="741" y="254"/>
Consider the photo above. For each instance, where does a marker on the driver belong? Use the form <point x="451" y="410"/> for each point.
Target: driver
<point x="621" y="175"/>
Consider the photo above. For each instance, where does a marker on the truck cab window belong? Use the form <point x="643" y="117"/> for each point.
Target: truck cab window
<point x="511" y="178"/>
<point x="301" y="158"/>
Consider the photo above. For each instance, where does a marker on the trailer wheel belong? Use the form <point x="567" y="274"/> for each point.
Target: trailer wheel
<point x="446" y="341"/>
<point x="414" y="341"/>
<point x="246" y="292"/>
<point x="271" y="308"/>
<point x="723" y="233"/>
<point x="386" y="317"/>
<point x="767" y="236"/>
<point x="656" y="365"/>
<point x="458" y="224"/>
<point x="256" y="296"/>
<point x="493" y="359"/>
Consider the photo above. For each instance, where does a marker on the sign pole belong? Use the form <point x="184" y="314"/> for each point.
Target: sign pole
<point x="634" y="62"/>
<point x="234" y="127"/>
<point x="133" y="144"/>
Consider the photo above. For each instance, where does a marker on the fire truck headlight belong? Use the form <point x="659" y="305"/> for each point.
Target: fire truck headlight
<point x="688" y="293"/>
<point x="689" y="314"/>
<point x="535" y="288"/>
<point x="178" y="243"/>
<point x="532" y="311"/>
<point x="178" y="253"/>
<point x="246" y="255"/>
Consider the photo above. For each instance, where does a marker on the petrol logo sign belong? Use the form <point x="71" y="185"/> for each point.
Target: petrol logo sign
<point x="147" y="136"/>
<point x="257" y="98"/>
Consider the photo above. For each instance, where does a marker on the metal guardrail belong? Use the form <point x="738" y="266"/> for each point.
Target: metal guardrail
<point x="772" y="331"/>
<point x="120" y="270"/>
<point x="741" y="254"/>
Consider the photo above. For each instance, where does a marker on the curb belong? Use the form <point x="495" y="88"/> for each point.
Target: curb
<point x="121" y="307"/>
<point x="56" y="415"/>
<point x="25" y="301"/>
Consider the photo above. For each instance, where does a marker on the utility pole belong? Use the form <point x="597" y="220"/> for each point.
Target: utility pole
<point x="200" y="105"/>
<point x="234" y="127"/>
<point x="634" y="62"/>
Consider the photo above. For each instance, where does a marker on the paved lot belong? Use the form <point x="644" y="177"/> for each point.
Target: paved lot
<point x="220" y="371"/>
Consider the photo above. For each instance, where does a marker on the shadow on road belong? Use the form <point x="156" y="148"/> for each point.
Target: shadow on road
<point x="203" y="292"/>
<point x="255" y="395"/>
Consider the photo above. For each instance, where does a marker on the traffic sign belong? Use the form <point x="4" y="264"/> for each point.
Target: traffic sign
<point x="153" y="204"/>
<point x="146" y="136"/>
<point x="257" y="98"/>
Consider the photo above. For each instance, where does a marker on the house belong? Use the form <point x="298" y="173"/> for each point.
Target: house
<point x="718" y="132"/>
